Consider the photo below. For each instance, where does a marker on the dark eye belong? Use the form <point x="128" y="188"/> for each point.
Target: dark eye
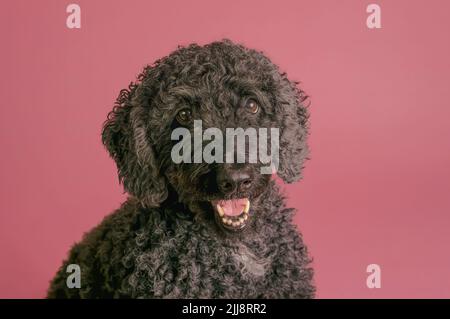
<point x="184" y="116"/>
<point x="252" y="106"/>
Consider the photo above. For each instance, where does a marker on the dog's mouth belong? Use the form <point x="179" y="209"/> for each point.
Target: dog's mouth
<point x="232" y="214"/>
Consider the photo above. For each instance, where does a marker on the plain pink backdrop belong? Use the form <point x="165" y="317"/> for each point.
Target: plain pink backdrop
<point x="376" y="189"/>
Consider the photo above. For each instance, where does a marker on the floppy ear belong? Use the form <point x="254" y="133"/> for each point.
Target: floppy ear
<point x="125" y="137"/>
<point x="293" y="131"/>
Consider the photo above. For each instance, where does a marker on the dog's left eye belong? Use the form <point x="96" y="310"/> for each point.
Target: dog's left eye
<point x="252" y="106"/>
<point x="184" y="116"/>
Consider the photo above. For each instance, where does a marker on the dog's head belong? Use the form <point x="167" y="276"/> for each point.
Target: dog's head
<point x="222" y="86"/>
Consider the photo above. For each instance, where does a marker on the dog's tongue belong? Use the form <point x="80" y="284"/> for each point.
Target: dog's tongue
<point x="233" y="207"/>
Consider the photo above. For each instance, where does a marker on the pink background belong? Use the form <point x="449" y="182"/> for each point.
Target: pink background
<point x="375" y="191"/>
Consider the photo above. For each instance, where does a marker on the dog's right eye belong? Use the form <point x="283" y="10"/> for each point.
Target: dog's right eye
<point x="184" y="117"/>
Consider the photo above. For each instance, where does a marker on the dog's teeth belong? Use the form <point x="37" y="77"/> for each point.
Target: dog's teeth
<point x="247" y="206"/>
<point x="235" y="221"/>
<point x="220" y="210"/>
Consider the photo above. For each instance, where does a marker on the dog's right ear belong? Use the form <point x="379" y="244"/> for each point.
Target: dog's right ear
<point x="125" y="137"/>
<point x="294" y="149"/>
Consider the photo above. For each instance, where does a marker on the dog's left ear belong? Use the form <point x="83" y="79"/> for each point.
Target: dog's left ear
<point x="125" y="136"/>
<point x="294" y="129"/>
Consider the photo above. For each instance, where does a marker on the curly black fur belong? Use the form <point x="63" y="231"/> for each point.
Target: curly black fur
<point x="163" y="242"/>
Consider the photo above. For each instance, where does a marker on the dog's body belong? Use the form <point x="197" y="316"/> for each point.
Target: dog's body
<point x="167" y="240"/>
<point x="154" y="253"/>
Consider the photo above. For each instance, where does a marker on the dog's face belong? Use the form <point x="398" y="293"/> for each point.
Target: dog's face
<point x="227" y="191"/>
<point x="221" y="86"/>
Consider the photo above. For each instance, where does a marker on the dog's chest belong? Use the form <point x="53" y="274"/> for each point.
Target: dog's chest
<point x="248" y="262"/>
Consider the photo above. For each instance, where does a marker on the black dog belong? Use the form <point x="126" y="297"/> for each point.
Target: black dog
<point x="198" y="230"/>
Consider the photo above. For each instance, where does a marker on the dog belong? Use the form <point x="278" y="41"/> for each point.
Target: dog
<point x="198" y="230"/>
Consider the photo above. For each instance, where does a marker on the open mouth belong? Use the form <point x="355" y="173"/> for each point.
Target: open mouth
<point x="232" y="214"/>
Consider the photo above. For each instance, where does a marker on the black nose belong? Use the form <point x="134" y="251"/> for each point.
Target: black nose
<point x="232" y="180"/>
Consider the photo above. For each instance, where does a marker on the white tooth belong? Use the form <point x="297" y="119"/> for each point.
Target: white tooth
<point x="229" y="222"/>
<point x="224" y="220"/>
<point x="220" y="210"/>
<point x="247" y="206"/>
<point x="235" y="224"/>
<point x="245" y="216"/>
<point x="241" y="220"/>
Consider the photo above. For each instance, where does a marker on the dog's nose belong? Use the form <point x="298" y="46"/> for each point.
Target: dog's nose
<point x="233" y="180"/>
